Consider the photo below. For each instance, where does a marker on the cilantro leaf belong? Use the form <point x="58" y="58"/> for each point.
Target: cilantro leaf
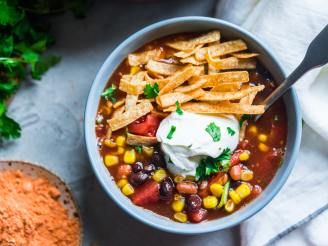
<point x="7" y="88"/>
<point x="9" y="15"/>
<point x="42" y="65"/>
<point x="9" y="129"/>
<point x="6" y="45"/>
<point x="231" y="131"/>
<point x="108" y="94"/>
<point x="178" y="110"/>
<point x="138" y="148"/>
<point x="243" y="118"/>
<point x="151" y="91"/>
<point x="214" y="131"/>
<point x="209" y="165"/>
<point x="2" y="108"/>
<point x="171" y="132"/>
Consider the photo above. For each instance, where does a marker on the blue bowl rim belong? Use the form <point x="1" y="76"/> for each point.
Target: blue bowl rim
<point x="194" y="228"/>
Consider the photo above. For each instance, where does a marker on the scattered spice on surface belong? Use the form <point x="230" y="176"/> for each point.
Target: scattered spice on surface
<point x="31" y="214"/>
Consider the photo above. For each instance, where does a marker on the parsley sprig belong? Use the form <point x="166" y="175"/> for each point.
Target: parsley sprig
<point x="209" y="165"/>
<point x="151" y="91"/>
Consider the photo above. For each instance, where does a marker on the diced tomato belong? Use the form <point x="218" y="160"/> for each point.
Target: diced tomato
<point x="146" y="193"/>
<point x="146" y="125"/>
<point x="234" y="160"/>
<point x="123" y="171"/>
<point x="198" y="216"/>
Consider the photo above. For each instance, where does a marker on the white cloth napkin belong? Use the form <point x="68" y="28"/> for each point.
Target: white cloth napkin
<point x="288" y="26"/>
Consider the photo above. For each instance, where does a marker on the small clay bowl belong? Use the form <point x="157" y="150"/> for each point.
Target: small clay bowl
<point x="36" y="171"/>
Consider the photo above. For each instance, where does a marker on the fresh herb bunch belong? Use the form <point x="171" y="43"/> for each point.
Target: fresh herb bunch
<point x="22" y="42"/>
<point x="209" y="165"/>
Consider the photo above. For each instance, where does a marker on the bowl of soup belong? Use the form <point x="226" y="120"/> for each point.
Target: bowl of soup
<point x="170" y="127"/>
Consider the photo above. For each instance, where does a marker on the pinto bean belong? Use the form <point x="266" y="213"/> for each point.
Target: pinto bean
<point x="187" y="187"/>
<point x="235" y="172"/>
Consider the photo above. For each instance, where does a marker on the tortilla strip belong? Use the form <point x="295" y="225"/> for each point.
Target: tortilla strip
<point x="192" y="43"/>
<point x="191" y="87"/>
<point x="119" y="103"/>
<point x="118" y="111"/>
<point x="192" y="60"/>
<point x="245" y="55"/>
<point x="219" y="108"/>
<point x="219" y="78"/>
<point x="133" y="139"/>
<point x="221" y="49"/>
<point x="130" y="101"/>
<point x="223" y="96"/>
<point x="128" y="117"/>
<point x="226" y="87"/>
<point x="231" y="63"/>
<point x="134" y="86"/>
<point x="169" y="99"/>
<point x="185" y="54"/>
<point x="177" y="79"/>
<point x="160" y="82"/>
<point x="141" y="58"/>
<point x="162" y="68"/>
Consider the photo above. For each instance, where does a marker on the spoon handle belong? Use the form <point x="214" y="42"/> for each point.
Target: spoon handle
<point x="316" y="56"/>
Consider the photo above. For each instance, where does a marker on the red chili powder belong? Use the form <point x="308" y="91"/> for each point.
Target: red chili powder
<point x="31" y="215"/>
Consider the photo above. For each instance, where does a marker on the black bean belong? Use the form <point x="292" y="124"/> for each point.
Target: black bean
<point x="149" y="168"/>
<point x="137" y="167"/>
<point x="158" y="159"/>
<point x="166" y="189"/>
<point x="138" y="178"/>
<point x="193" y="203"/>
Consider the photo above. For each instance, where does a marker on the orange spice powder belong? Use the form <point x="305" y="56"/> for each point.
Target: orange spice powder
<point x="31" y="215"/>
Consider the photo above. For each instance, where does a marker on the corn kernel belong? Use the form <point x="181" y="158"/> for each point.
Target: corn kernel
<point x="178" y="205"/>
<point x="190" y="178"/>
<point x="181" y="217"/>
<point x="252" y="129"/>
<point x="128" y="189"/>
<point x="148" y="150"/>
<point x="122" y="182"/>
<point x="229" y="206"/>
<point x="262" y="137"/>
<point x="134" y="70"/>
<point x="109" y="143"/>
<point x="129" y="156"/>
<point x="120" y="150"/>
<point x="263" y="147"/>
<point x="120" y="141"/>
<point x="243" y="190"/>
<point x="210" y="202"/>
<point x="159" y="175"/>
<point x="244" y="156"/>
<point x="246" y="175"/>
<point x="179" y="178"/>
<point x="234" y="196"/>
<point x="216" y="189"/>
<point x="110" y="160"/>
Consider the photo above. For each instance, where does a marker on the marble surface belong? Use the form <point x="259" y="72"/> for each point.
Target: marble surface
<point x="51" y="112"/>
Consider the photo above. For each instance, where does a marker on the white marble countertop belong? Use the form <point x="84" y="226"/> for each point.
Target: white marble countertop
<point x="51" y="112"/>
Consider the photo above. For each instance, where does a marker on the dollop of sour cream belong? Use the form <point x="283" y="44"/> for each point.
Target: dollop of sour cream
<point x="190" y="142"/>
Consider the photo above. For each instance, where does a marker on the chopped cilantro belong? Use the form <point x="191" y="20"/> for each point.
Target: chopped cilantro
<point x="108" y="94"/>
<point x="214" y="131"/>
<point x="243" y="118"/>
<point x="178" y="110"/>
<point x="231" y="131"/>
<point x="138" y="148"/>
<point x="209" y="165"/>
<point x="151" y="91"/>
<point x="9" y="129"/>
<point x="171" y="132"/>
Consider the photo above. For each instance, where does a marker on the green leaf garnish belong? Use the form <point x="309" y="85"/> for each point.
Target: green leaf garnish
<point x="171" y="132"/>
<point x="9" y="129"/>
<point x="108" y="94"/>
<point x="138" y="148"/>
<point x="214" y="131"/>
<point x="231" y="131"/>
<point x="178" y="110"/>
<point x="243" y="118"/>
<point x="209" y="165"/>
<point x="151" y="91"/>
